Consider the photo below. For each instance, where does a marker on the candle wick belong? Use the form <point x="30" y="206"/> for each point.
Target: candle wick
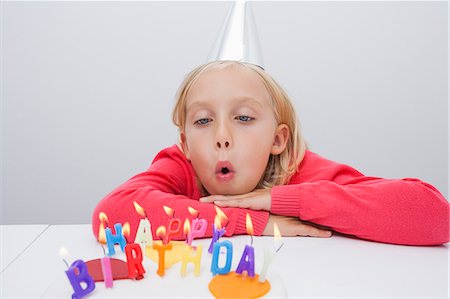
<point x="104" y="252"/>
<point x="279" y="248"/>
<point x="251" y="236"/>
<point x="65" y="262"/>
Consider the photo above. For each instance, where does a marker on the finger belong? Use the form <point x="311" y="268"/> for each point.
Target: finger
<point x="311" y="231"/>
<point x="211" y="198"/>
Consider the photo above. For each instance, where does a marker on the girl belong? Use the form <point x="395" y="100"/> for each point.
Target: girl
<point x="241" y="149"/>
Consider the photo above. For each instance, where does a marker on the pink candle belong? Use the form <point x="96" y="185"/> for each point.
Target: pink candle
<point x="107" y="273"/>
<point x="197" y="228"/>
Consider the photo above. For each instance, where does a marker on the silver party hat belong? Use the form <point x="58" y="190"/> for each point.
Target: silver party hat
<point x="238" y="38"/>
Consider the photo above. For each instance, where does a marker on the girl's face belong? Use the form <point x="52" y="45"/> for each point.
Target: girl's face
<point x="230" y="130"/>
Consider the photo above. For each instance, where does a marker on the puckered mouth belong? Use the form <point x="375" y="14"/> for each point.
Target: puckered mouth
<point x="224" y="167"/>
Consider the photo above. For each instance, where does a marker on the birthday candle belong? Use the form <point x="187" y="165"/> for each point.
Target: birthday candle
<point x="161" y="249"/>
<point x="134" y="261"/>
<point x="174" y="228"/>
<point x="106" y="270"/>
<point x="247" y="262"/>
<point x="218" y="231"/>
<point x="113" y="239"/>
<point x="144" y="235"/>
<point x="191" y="255"/>
<point x="215" y="269"/>
<point x="78" y="274"/>
<point x="269" y="256"/>
<point x="197" y="229"/>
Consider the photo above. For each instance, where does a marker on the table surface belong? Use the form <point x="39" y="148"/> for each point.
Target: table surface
<point x="22" y="236"/>
<point x="308" y="267"/>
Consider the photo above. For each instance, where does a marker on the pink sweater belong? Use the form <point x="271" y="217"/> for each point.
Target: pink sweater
<point x="399" y="211"/>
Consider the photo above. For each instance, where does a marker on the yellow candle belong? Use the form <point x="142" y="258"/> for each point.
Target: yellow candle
<point x="191" y="255"/>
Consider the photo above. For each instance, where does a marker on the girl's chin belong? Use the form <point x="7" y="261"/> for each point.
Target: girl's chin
<point x="229" y="190"/>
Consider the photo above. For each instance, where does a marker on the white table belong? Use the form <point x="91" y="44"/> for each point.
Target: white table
<point x="307" y="267"/>
<point x="19" y="235"/>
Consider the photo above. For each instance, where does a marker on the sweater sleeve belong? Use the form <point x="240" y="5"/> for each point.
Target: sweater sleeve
<point x="399" y="211"/>
<point x="169" y="181"/>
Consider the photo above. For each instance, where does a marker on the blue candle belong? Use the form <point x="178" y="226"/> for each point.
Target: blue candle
<point x="112" y="239"/>
<point x="215" y="269"/>
<point x="77" y="274"/>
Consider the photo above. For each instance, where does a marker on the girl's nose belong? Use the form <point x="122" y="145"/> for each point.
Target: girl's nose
<point x="223" y="136"/>
<point x="225" y="144"/>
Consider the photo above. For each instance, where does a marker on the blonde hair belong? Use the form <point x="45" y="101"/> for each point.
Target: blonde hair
<point x="280" y="168"/>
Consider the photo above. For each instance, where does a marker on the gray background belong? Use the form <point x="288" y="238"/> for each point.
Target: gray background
<point x="88" y="88"/>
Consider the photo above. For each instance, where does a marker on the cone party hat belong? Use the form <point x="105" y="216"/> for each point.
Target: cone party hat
<point x="238" y="38"/>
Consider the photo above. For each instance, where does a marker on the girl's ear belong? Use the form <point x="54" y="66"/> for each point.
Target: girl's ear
<point x="280" y="139"/>
<point x="184" y="147"/>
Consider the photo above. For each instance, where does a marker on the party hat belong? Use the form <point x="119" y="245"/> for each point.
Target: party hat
<point x="238" y="38"/>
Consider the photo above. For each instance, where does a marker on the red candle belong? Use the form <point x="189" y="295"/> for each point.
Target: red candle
<point x="134" y="261"/>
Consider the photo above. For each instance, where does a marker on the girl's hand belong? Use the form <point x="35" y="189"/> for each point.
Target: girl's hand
<point x="259" y="199"/>
<point x="290" y="226"/>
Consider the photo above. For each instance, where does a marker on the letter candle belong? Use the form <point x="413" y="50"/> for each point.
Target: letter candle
<point x="144" y="235"/>
<point x="269" y="256"/>
<point x="113" y="239"/>
<point x="198" y="227"/>
<point x="160" y="232"/>
<point x="218" y="231"/>
<point x="174" y="228"/>
<point x="105" y="261"/>
<point x="247" y="262"/>
<point x="215" y="269"/>
<point x="78" y="276"/>
<point x="134" y="261"/>
<point x="191" y="256"/>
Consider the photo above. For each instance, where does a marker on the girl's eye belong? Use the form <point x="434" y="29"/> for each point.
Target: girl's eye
<point x="244" y="118"/>
<point x="203" y="121"/>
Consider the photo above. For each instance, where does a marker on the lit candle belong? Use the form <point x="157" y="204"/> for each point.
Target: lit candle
<point x="78" y="276"/>
<point x="160" y="232"/>
<point x="215" y="269"/>
<point x="198" y="227"/>
<point x="106" y="270"/>
<point x="134" y="261"/>
<point x="247" y="262"/>
<point x="101" y="230"/>
<point x="191" y="255"/>
<point x="174" y="228"/>
<point x="144" y="235"/>
<point x="269" y="255"/>
<point x="117" y="238"/>
<point x="218" y="231"/>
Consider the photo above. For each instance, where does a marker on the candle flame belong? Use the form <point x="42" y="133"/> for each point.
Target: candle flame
<point x="249" y="224"/>
<point x="103" y="218"/>
<point x="187" y="227"/>
<point x="101" y="234"/>
<point x="140" y="210"/>
<point x="63" y="252"/>
<point x="217" y="223"/>
<point x="169" y="211"/>
<point x="161" y="232"/>
<point x="221" y="216"/>
<point x="276" y="233"/>
<point x="193" y="211"/>
<point x="126" y="230"/>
